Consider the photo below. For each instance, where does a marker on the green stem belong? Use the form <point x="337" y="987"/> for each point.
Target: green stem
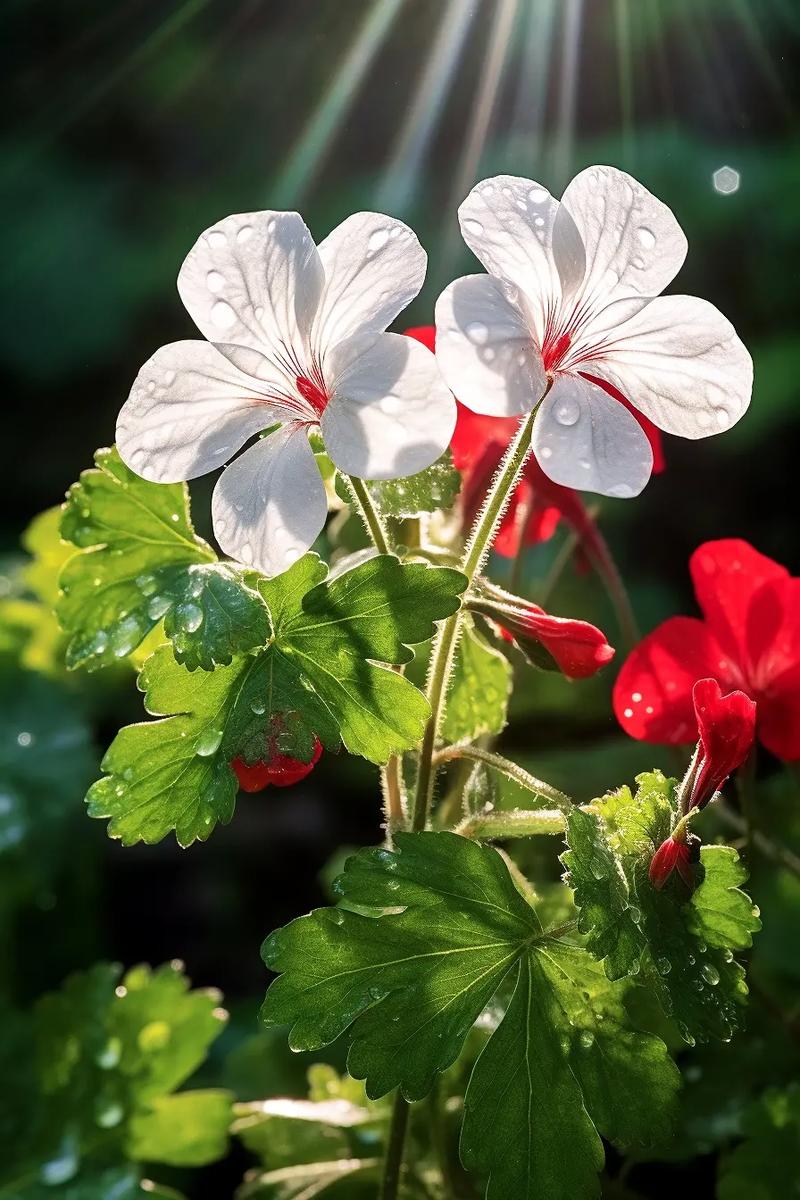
<point x="505" y="767"/>
<point x="516" y="823"/>
<point x="602" y="559"/>
<point x="444" y="646"/>
<point x="439" y="1140"/>
<point x="394" y="808"/>
<point x="390" y="1184"/>
<point x="369" y="514"/>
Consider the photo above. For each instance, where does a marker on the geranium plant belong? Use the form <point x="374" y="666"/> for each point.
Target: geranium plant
<point x="501" y="1031"/>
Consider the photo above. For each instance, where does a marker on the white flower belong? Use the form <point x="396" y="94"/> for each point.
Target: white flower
<point x="295" y="340"/>
<point x="570" y="297"/>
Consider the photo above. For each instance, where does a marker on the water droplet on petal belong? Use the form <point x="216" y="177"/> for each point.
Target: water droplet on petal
<point x="244" y="234"/>
<point x="377" y="239"/>
<point x="567" y="412"/>
<point x="214" y="281"/>
<point x="223" y="315"/>
<point x="646" y="237"/>
<point x="216" y="238"/>
<point x="472" y="226"/>
<point x="710" y="974"/>
<point x="477" y="332"/>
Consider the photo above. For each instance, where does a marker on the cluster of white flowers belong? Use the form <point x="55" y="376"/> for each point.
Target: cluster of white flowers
<point x="568" y="318"/>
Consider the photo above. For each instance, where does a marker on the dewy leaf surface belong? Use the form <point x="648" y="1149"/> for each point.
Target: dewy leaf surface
<point x="434" y="488"/>
<point x="316" y="678"/>
<point x="684" y="945"/>
<point x="141" y="563"/>
<point x="337" y="632"/>
<point x="408" y="983"/>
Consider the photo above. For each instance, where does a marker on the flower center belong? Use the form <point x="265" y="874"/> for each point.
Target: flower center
<point x="554" y="350"/>
<point x="312" y="394"/>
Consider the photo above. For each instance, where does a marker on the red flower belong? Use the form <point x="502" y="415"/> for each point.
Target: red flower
<point x="538" y="504"/>
<point x="576" y="648"/>
<point x="749" y="640"/>
<point x="727" y="726"/>
<point x="671" y="854"/>
<point x="281" y="770"/>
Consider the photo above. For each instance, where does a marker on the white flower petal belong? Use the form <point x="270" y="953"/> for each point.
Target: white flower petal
<point x="269" y="505"/>
<point x="254" y="280"/>
<point x="634" y="246"/>
<point x="486" y="350"/>
<point x="585" y="439"/>
<point x="188" y="411"/>
<point x="374" y="266"/>
<point x="681" y="363"/>
<point x="508" y="223"/>
<point x="390" y="413"/>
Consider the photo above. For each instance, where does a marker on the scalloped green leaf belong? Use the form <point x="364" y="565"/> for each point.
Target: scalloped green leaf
<point x="449" y="929"/>
<point x="684" y="945"/>
<point x="436" y="487"/>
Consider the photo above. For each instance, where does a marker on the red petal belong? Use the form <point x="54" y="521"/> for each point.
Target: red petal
<point x="285" y="770"/>
<point x="425" y="334"/>
<point x="251" y="778"/>
<point x="653" y="692"/>
<point x="728" y="576"/>
<point x="779" y="716"/>
<point x="727" y="726"/>
<point x="669" y="855"/>
<point x="579" y="649"/>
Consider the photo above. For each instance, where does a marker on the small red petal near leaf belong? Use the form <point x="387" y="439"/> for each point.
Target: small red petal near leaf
<point x="578" y="648"/>
<point x="281" y="770"/>
<point x="669" y="855"/>
<point x="727" y="727"/>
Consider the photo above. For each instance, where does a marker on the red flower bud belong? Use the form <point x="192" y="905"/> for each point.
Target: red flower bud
<point x="576" y="648"/>
<point x="674" y="854"/>
<point x="727" y="727"/>
<point x="281" y="770"/>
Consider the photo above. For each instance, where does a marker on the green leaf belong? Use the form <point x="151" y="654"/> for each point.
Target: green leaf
<point x="764" y="1165"/>
<point x="42" y="539"/>
<point x="216" y="617"/>
<point x="138" y="547"/>
<point x="108" y="1051"/>
<point x="478" y="698"/>
<point x="408" y="983"/>
<point x="434" y="488"/>
<point x="684" y="945"/>
<point x="318" y="678"/>
<point x="336" y="632"/>
<point x="186" y="1130"/>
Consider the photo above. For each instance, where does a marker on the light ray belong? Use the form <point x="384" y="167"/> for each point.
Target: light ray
<point x="572" y="26"/>
<point x="417" y="130"/>
<point x="315" y="139"/>
<point x="534" y="76"/>
<point x="491" y="77"/>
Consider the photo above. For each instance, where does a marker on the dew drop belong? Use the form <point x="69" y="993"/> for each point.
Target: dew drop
<point x="223" y="315"/>
<point x="217" y="239"/>
<point x="568" y="412"/>
<point x="722" y="418"/>
<point x="586" y="1039"/>
<point x="477" y="332"/>
<point x="258" y="707"/>
<point x="664" y="966"/>
<point x="244" y="234"/>
<point x="208" y="742"/>
<point x="190" y="616"/>
<point x="146" y="584"/>
<point x="64" y="1165"/>
<point x="472" y="226"/>
<point x="538" y="195"/>
<point x="623" y="491"/>
<point x="108" y="1113"/>
<point x="377" y="240"/>
<point x="214" y="281"/>
<point x="646" y="237"/>
<point x="109" y="1056"/>
<point x="157" y="606"/>
<point x="710" y="974"/>
<point x="125" y="636"/>
<point x="546" y="452"/>
<point x="245" y="550"/>
<point x="25" y="739"/>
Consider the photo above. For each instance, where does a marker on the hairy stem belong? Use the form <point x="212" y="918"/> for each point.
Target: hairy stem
<point x="518" y="822"/>
<point x="394" y="808"/>
<point x="446" y="640"/>
<point x="505" y="767"/>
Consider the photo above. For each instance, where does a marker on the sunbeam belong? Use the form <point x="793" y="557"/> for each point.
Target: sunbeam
<point x="321" y="127"/>
<point x="417" y="130"/>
